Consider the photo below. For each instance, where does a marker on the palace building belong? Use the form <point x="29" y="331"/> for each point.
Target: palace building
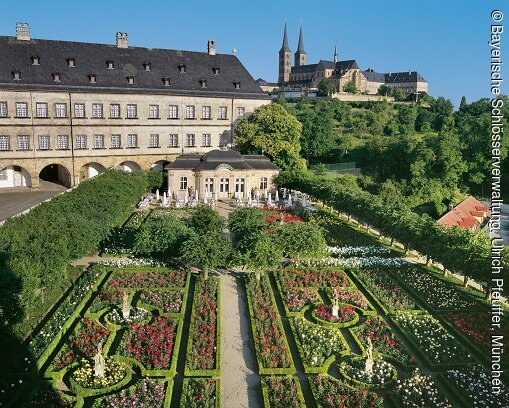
<point x="70" y="110"/>
<point x="340" y="73"/>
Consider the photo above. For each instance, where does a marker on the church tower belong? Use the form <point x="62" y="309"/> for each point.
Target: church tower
<point x="336" y="53"/>
<point x="300" y="54"/>
<point x="285" y="61"/>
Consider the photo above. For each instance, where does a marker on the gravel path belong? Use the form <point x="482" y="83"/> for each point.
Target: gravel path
<point x="239" y="381"/>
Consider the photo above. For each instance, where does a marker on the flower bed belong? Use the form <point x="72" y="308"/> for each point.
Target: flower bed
<point x="360" y="251"/>
<point x="114" y="372"/>
<point x="47" y="397"/>
<point x="318" y="345"/>
<point x="382" y="375"/>
<point x="346" y="316"/>
<point x="438" y="294"/>
<point x="279" y="391"/>
<point x="383" y="339"/>
<point x="355" y="262"/>
<point x="145" y="393"/>
<point x="419" y="391"/>
<point x="297" y="298"/>
<point x="136" y="315"/>
<point x="432" y="340"/>
<point x="384" y="289"/>
<point x="272" y="350"/>
<point x="151" y="344"/>
<point x="318" y="278"/>
<point x="281" y="216"/>
<point x="106" y="298"/>
<point x="132" y="263"/>
<point x="200" y="393"/>
<point x="153" y="279"/>
<point x="81" y="344"/>
<point x="202" y="356"/>
<point x="170" y="301"/>
<point x="477" y="327"/>
<point x="331" y="393"/>
<point x="352" y="297"/>
<point x="475" y="383"/>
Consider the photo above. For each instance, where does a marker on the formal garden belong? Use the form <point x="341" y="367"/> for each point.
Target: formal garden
<point x="338" y="316"/>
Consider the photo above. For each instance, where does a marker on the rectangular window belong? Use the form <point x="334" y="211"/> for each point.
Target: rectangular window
<point x="24" y="142"/>
<point x="174" y="112"/>
<point x="190" y="140"/>
<point x="206" y="140"/>
<point x="79" y="110"/>
<point x="44" y="142"/>
<point x="190" y="112"/>
<point x="41" y="109"/>
<point x="153" y="112"/>
<point x="21" y="110"/>
<point x="241" y="111"/>
<point x="97" y="110"/>
<point x="263" y="183"/>
<point x="63" y="142"/>
<point x="115" y="111"/>
<point x="221" y="113"/>
<point x="3" y="109"/>
<point x="154" y="141"/>
<point x="131" y="112"/>
<point x="115" y="141"/>
<point x="205" y="112"/>
<point x="183" y="183"/>
<point x="5" y="143"/>
<point x="81" y="142"/>
<point x="98" y="141"/>
<point x="174" y="140"/>
<point x="132" y="141"/>
<point x="61" y="110"/>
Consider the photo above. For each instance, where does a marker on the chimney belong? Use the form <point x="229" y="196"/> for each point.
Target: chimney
<point x="22" y="31"/>
<point x="121" y="40"/>
<point x="211" y="47"/>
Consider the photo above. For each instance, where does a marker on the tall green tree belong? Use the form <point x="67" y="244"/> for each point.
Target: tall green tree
<point x="326" y="88"/>
<point x="350" y="87"/>
<point x="274" y="131"/>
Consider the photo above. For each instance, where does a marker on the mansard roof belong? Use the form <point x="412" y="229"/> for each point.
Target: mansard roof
<point x="215" y="158"/>
<point x="92" y="59"/>
<point x="407" y="76"/>
<point x="373" y="76"/>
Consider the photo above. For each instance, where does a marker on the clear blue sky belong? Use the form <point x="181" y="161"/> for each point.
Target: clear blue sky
<point x="446" y="41"/>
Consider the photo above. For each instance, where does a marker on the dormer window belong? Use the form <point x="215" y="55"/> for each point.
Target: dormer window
<point x="147" y="66"/>
<point x="35" y="60"/>
<point x="16" y="75"/>
<point x="216" y="70"/>
<point x="71" y="62"/>
<point x="92" y="78"/>
<point x="203" y="83"/>
<point x="166" y="81"/>
<point x="236" y="84"/>
<point x="56" y="76"/>
<point x="130" y="80"/>
<point x="111" y="64"/>
<point x="182" y="68"/>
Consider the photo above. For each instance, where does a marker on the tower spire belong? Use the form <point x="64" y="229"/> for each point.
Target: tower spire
<point x="285" y="47"/>
<point x="336" y="52"/>
<point x="300" y="54"/>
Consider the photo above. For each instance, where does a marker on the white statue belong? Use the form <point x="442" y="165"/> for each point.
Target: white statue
<point x="126" y="309"/>
<point x="369" y="357"/>
<point x="335" y="302"/>
<point x="99" y="362"/>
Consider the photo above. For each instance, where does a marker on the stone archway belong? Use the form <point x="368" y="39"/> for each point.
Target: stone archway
<point x="91" y="170"/>
<point x="129" y="166"/>
<point x="15" y="176"/>
<point x="56" y="173"/>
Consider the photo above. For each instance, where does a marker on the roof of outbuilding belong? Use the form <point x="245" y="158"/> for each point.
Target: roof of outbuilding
<point x="373" y="76"/>
<point x="465" y="214"/>
<point x="408" y="76"/>
<point x="92" y="58"/>
<point x="215" y="158"/>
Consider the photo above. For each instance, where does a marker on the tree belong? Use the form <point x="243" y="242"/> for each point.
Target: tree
<point x="297" y="239"/>
<point x="155" y="178"/>
<point x="350" y="87"/>
<point x="326" y="88"/>
<point x="399" y="95"/>
<point x="207" y="251"/>
<point x="274" y="131"/>
<point x="384" y="90"/>
<point x="264" y="254"/>
<point x="318" y="136"/>
<point x="205" y="220"/>
<point x="247" y="224"/>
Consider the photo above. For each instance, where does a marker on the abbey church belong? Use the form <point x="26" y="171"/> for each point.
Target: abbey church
<point x="340" y="73"/>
